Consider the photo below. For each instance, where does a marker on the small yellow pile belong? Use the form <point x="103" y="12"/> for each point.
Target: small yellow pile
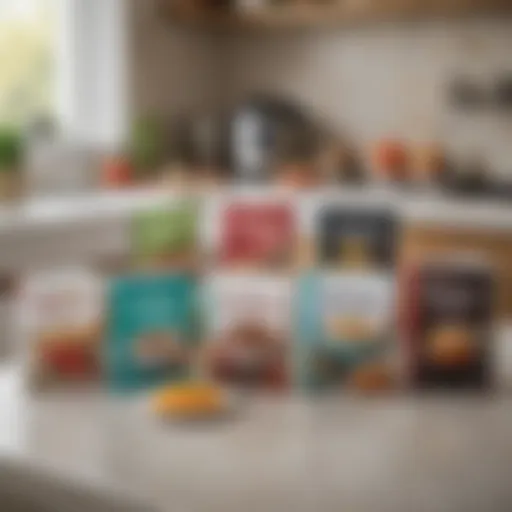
<point x="190" y="399"/>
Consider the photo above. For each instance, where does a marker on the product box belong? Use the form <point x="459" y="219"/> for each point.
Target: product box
<point x="448" y="323"/>
<point x="356" y="238"/>
<point x="257" y="234"/>
<point x="152" y="329"/>
<point x="60" y="315"/>
<point x="342" y="323"/>
<point x="248" y="330"/>
<point x="167" y="237"/>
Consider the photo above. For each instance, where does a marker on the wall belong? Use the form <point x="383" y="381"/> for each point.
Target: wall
<point x="367" y="82"/>
<point x="172" y="69"/>
<point x="385" y="80"/>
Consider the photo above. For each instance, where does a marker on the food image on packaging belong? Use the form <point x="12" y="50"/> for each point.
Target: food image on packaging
<point x="249" y="331"/>
<point x="166" y="237"/>
<point x="356" y="238"/>
<point x="152" y="329"/>
<point x="451" y="345"/>
<point x="372" y="377"/>
<point x="355" y="252"/>
<point x="63" y="314"/>
<point x="257" y="234"/>
<point x="344" y="322"/>
<point x="160" y="348"/>
<point x="449" y="323"/>
<point x="68" y="354"/>
<point x="355" y="328"/>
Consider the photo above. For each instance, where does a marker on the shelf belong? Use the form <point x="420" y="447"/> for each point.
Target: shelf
<point x="94" y="207"/>
<point x="345" y="14"/>
<point x="93" y="227"/>
<point x="415" y="207"/>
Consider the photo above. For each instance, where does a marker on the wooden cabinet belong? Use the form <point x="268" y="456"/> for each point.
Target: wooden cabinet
<point x="495" y="246"/>
<point x="310" y="13"/>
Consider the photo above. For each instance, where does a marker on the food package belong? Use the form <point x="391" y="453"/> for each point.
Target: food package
<point x="448" y="306"/>
<point x="152" y="329"/>
<point x="344" y="324"/>
<point x="61" y="316"/>
<point x="356" y="238"/>
<point x="248" y="330"/>
<point x="167" y="237"/>
<point x="257" y="234"/>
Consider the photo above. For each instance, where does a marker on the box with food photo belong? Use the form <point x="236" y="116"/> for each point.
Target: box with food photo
<point x="151" y="329"/>
<point x="257" y="233"/>
<point x="448" y="322"/>
<point x="355" y="237"/>
<point x="248" y="330"/>
<point x="167" y="237"/>
<point x="60" y="317"/>
<point x="344" y="324"/>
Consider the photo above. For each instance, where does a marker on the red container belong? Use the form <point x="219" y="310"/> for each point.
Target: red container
<point x="391" y="160"/>
<point x="117" y="172"/>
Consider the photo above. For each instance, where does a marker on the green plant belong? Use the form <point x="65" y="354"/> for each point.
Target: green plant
<point x="11" y="149"/>
<point x="146" y="146"/>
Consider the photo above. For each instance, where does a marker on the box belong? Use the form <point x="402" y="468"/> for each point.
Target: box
<point x="167" y="237"/>
<point x="152" y="329"/>
<point x="342" y="321"/>
<point x="356" y="237"/>
<point x="249" y="330"/>
<point x="257" y="234"/>
<point x="61" y="317"/>
<point x="448" y="323"/>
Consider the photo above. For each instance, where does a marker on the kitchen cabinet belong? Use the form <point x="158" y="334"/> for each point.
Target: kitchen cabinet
<point x="420" y="241"/>
<point x="337" y="13"/>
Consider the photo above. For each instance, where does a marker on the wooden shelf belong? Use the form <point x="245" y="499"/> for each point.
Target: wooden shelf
<point x="351" y="12"/>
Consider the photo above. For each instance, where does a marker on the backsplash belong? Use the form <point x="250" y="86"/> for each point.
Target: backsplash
<point x="386" y="80"/>
<point x="172" y="70"/>
<point x="389" y="80"/>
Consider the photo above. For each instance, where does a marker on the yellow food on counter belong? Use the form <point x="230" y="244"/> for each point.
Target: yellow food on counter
<point x="190" y="399"/>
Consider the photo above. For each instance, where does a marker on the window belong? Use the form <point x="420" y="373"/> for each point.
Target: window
<point x="27" y="78"/>
<point x="65" y="59"/>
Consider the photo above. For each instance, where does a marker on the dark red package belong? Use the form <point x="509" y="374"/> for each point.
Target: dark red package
<point x="257" y="234"/>
<point x="446" y="312"/>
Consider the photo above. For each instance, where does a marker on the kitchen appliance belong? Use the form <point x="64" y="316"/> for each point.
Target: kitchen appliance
<point x="266" y="132"/>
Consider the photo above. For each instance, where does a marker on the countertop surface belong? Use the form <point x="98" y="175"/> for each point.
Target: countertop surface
<point x="395" y="453"/>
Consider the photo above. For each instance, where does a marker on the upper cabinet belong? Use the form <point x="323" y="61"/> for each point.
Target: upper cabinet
<point x="277" y="14"/>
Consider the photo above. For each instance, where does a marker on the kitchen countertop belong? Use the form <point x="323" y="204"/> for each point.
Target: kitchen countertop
<point x="399" y="453"/>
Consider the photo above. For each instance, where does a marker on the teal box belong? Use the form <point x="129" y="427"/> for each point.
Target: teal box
<point x="342" y="320"/>
<point x="151" y="330"/>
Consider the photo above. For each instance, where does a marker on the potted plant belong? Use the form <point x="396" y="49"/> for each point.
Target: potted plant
<point x="146" y="146"/>
<point x="10" y="163"/>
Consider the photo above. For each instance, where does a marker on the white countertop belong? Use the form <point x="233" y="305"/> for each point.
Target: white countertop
<point x="397" y="454"/>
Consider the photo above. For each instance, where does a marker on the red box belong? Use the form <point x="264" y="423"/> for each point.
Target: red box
<point x="261" y="234"/>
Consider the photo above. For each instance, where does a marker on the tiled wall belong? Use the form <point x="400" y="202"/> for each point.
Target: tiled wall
<point x="368" y="82"/>
<point x="172" y="69"/>
<point x="387" y="80"/>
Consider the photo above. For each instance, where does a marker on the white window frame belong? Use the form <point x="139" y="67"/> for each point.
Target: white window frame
<point x="92" y="71"/>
